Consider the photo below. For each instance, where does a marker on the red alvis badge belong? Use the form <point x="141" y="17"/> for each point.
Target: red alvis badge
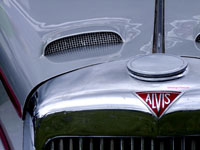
<point x="158" y="101"/>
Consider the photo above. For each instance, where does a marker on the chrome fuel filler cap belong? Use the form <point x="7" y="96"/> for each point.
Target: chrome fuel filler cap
<point x="157" y="67"/>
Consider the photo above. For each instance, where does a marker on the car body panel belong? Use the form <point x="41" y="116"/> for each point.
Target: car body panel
<point x="34" y="67"/>
<point x="39" y="28"/>
<point x="26" y="27"/>
<point x="12" y="124"/>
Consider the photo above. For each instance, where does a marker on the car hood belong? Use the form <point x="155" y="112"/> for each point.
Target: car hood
<point x="27" y="26"/>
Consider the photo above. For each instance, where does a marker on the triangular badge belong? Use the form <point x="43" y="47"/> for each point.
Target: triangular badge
<point x="158" y="101"/>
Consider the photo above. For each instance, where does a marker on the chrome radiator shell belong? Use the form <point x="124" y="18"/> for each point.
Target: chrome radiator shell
<point x="99" y="105"/>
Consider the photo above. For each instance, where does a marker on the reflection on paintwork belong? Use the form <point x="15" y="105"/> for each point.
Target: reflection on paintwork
<point x="181" y="30"/>
<point x="147" y="48"/>
<point x="4" y="23"/>
<point x="35" y="24"/>
<point x="184" y="30"/>
<point x="189" y="102"/>
<point x="126" y="28"/>
<point x="1" y="145"/>
<point x="9" y="118"/>
<point x="170" y="42"/>
<point x="197" y="17"/>
<point x="105" y="102"/>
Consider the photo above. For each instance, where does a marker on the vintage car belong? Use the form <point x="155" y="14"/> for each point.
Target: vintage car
<point x="99" y="75"/>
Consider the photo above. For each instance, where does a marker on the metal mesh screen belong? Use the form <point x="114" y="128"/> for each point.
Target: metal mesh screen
<point x="82" y="40"/>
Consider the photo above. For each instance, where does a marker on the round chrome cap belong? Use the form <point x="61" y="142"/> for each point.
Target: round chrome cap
<point x="157" y="67"/>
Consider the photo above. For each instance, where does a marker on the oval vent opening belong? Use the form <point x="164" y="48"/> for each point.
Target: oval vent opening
<point x="198" y="38"/>
<point x="82" y="40"/>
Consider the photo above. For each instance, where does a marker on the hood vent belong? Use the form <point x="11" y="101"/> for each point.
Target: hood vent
<point x="198" y="38"/>
<point x="82" y="40"/>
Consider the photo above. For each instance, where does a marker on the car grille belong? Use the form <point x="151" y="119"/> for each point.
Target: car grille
<point x="82" y="40"/>
<point x="123" y="143"/>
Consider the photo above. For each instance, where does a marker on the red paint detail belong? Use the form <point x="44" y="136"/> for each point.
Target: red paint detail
<point x="158" y="101"/>
<point x="11" y="94"/>
<point x="4" y="139"/>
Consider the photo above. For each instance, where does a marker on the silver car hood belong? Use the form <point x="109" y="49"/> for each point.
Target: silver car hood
<point x="27" y="26"/>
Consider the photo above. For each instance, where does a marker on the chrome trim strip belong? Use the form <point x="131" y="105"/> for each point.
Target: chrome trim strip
<point x="52" y="145"/>
<point x="152" y="144"/>
<point x="183" y="143"/>
<point x="193" y="145"/>
<point x="172" y="143"/>
<point x="80" y="144"/>
<point x="112" y="144"/>
<point x="162" y="147"/>
<point x="28" y="137"/>
<point x="159" y="27"/>
<point x="91" y="144"/>
<point x="132" y="144"/>
<point x="61" y="144"/>
<point x="70" y="144"/>
<point x="121" y="144"/>
<point x="101" y="144"/>
<point x="142" y="144"/>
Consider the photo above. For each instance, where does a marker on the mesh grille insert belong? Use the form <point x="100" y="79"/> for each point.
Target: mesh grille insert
<point x="82" y="40"/>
